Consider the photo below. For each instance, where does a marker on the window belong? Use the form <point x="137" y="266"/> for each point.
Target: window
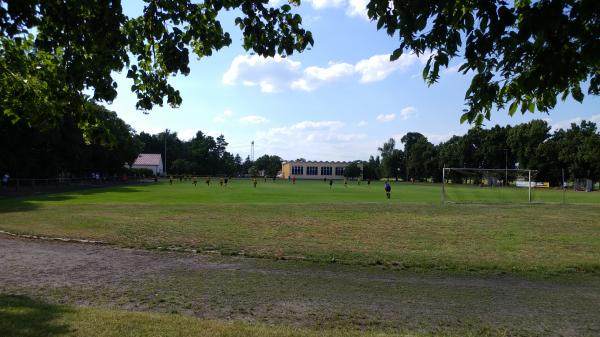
<point x="312" y="171"/>
<point x="326" y="170"/>
<point x="298" y="170"/>
<point x="339" y="171"/>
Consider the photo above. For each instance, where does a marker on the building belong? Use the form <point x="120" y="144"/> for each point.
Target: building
<point x="150" y="161"/>
<point x="314" y="169"/>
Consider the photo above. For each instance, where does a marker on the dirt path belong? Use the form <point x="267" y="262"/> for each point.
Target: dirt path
<point x="294" y="292"/>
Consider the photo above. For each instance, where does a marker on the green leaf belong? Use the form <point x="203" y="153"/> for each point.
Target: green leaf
<point x="465" y="117"/>
<point x="513" y="108"/>
<point x="396" y="54"/>
<point x="426" y="69"/>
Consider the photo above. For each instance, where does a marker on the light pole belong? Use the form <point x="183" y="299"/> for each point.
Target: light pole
<point x="166" y="132"/>
<point x="505" y="167"/>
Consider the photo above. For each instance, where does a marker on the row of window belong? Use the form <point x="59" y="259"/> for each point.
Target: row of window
<point x="314" y="170"/>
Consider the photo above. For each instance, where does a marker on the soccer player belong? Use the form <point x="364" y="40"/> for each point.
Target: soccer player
<point x="226" y="180"/>
<point x="170" y="180"/>
<point x="345" y="182"/>
<point x="293" y="180"/>
<point x="194" y="181"/>
<point x="330" y="183"/>
<point x="254" y="182"/>
<point x="388" y="189"/>
<point x="221" y="182"/>
<point x="207" y="181"/>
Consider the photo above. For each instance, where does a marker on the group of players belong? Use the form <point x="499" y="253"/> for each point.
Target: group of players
<point x="224" y="180"/>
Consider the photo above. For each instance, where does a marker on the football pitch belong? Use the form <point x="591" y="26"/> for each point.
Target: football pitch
<point x="312" y="221"/>
<point x="300" y="259"/>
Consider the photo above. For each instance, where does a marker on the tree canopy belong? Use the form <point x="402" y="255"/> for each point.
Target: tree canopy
<point x="529" y="145"/>
<point x="523" y="53"/>
<point x="51" y="51"/>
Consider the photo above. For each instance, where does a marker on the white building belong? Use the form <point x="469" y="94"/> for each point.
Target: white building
<point x="314" y="169"/>
<point x="150" y="161"/>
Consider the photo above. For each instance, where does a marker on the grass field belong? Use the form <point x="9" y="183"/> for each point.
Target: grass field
<point x="24" y="317"/>
<point x="487" y="264"/>
<point x="353" y="225"/>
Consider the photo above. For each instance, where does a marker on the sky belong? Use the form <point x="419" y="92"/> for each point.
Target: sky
<point x="338" y="101"/>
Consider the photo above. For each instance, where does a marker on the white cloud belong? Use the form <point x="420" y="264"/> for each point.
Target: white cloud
<point x="276" y="74"/>
<point x="386" y="118"/>
<point x="408" y="112"/>
<point x="306" y="125"/>
<point x="362" y="123"/>
<point x="253" y="119"/>
<point x="313" y="76"/>
<point x="357" y="8"/>
<point x="321" y="4"/>
<point x="434" y="138"/>
<point x="271" y="74"/>
<point x="321" y="140"/>
<point x="187" y="134"/>
<point x="565" y="124"/>
<point x="222" y="117"/>
<point x="379" y="67"/>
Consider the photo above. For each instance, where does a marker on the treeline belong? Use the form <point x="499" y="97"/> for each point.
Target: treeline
<point x="60" y="146"/>
<point x="205" y="155"/>
<point x="532" y="145"/>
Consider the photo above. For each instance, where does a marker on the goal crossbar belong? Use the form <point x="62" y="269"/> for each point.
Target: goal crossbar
<point x="484" y="169"/>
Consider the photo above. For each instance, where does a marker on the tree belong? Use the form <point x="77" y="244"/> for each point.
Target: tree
<point x="353" y="170"/>
<point x="523" y="53"/>
<point x="270" y="165"/>
<point x="579" y="150"/>
<point x="253" y="171"/>
<point x="392" y="159"/>
<point x="525" y="139"/>
<point x="35" y="151"/>
<point x="409" y="140"/>
<point x="387" y="148"/>
<point x="95" y="38"/>
<point x="394" y="164"/>
<point x="422" y="161"/>
<point x="372" y="168"/>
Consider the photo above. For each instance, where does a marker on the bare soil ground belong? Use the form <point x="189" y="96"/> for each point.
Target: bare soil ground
<point x="297" y="293"/>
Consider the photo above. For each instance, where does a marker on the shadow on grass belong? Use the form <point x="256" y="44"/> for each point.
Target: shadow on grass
<point x="23" y="202"/>
<point x="24" y="317"/>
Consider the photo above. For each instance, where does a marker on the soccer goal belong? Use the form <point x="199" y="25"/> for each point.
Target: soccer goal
<point x="480" y="185"/>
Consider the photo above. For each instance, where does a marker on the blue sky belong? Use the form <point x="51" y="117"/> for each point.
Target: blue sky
<point x="338" y="101"/>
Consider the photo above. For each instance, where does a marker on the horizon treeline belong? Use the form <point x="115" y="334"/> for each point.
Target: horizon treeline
<point x="109" y="145"/>
<point x="531" y="145"/>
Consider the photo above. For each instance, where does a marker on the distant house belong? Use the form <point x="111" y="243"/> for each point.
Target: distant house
<point x="150" y="161"/>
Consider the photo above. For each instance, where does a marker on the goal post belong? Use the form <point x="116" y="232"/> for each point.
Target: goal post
<point x="483" y="185"/>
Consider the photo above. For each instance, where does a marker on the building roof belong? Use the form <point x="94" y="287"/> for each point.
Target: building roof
<point x="317" y="162"/>
<point x="149" y="159"/>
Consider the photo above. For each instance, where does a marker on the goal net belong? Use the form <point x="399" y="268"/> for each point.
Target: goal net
<point x="477" y="185"/>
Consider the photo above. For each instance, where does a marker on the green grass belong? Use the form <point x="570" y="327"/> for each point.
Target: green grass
<point x="354" y="225"/>
<point x="25" y="317"/>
